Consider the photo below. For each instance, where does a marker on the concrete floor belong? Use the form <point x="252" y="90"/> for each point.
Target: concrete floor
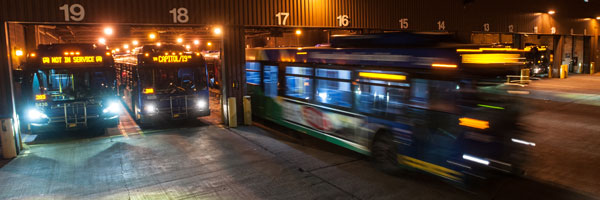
<point x="205" y="161"/>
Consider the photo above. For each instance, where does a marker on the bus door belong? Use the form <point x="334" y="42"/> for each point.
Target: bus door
<point x="435" y="124"/>
<point x="271" y="84"/>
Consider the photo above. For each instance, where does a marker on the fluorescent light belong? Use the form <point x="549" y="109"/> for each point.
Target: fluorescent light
<point x="475" y="159"/>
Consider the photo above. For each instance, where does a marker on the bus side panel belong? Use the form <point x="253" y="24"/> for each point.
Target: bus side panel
<point x="258" y="101"/>
<point x="339" y="129"/>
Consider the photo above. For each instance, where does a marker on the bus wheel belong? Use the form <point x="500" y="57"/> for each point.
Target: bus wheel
<point x="384" y="153"/>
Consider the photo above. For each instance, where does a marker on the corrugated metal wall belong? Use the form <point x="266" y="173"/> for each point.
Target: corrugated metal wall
<point x="422" y="15"/>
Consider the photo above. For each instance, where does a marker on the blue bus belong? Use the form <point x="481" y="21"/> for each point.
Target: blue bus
<point x="164" y="82"/>
<point x="70" y="85"/>
<point x="407" y="106"/>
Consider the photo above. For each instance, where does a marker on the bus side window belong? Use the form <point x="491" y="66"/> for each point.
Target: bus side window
<point x="419" y="91"/>
<point x="334" y="92"/>
<point x="376" y="99"/>
<point x="270" y="80"/>
<point x="253" y="73"/>
<point x="443" y="95"/>
<point x="298" y="82"/>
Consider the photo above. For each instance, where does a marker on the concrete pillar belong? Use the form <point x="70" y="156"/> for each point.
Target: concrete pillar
<point x="233" y="71"/>
<point x="517" y="41"/>
<point x="558" y="53"/>
<point x="7" y="106"/>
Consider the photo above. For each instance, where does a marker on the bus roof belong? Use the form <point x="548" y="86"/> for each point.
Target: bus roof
<point x="421" y="58"/>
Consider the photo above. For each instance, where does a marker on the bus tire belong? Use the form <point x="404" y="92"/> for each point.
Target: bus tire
<point x="384" y="153"/>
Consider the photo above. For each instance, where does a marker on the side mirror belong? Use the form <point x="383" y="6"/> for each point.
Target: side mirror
<point x="18" y="76"/>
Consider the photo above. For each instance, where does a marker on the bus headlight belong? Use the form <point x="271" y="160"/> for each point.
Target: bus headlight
<point x="201" y="104"/>
<point x="150" y="108"/>
<point x="113" y="107"/>
<point x="35" y="114"/>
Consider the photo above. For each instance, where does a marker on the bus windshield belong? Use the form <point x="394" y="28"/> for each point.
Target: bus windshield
<point x="73" y="84"/>
<point x="173" y="80"/>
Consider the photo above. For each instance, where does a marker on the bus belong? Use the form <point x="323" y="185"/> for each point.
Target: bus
<point x="163" y="82"/>
<point x="70" y="85"/>
<point x="418" y="105"/>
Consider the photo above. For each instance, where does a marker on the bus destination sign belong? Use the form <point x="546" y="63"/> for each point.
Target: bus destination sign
<point x="172" y="58"/>
<point x="71" y="59"/>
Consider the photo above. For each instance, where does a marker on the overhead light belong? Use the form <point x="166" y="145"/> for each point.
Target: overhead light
<point x="125" y="46"/>
<point x="209" y="44"/>
<point x="598" y="18"/>
<point x="117" y="49"/>
<point x="19" y="52"/>
<point x="102" y="41"/>
<point x="108" y="31"/>
<point x="179" y="40"/>
<point x="187" y="47"/>
<point x="135" y="42"/>
<point x="152" y="36"/>
<point x="158" y="44"/>
<point x="298" y="32"/>
<point x="552" y="12"/>
<point x="217" y="31"/>
<point x="196" y="42"/>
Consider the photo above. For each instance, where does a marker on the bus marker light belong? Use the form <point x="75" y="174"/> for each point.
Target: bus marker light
<point x="443" y="65"/>
<point x="40" y="97"/>
<point x="150" y="108"/>
<point x="301" y="53"/>
<point x="474" y="123"/>
<point x="489" y="106"/>
<point x="382" y="76"/>
<point x="522" y="142"/>
<point x="35" y="114"/>
<point x="201" y="104"/>
<point x="148" y="91"/>
<point x="491" y="58"/>
<point x="475" y="159"/>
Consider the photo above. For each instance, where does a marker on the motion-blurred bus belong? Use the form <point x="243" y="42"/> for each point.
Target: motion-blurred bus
<point x="408" y="100"/>
<point x="70" y="85"/>
<point x="164" y="82"/>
